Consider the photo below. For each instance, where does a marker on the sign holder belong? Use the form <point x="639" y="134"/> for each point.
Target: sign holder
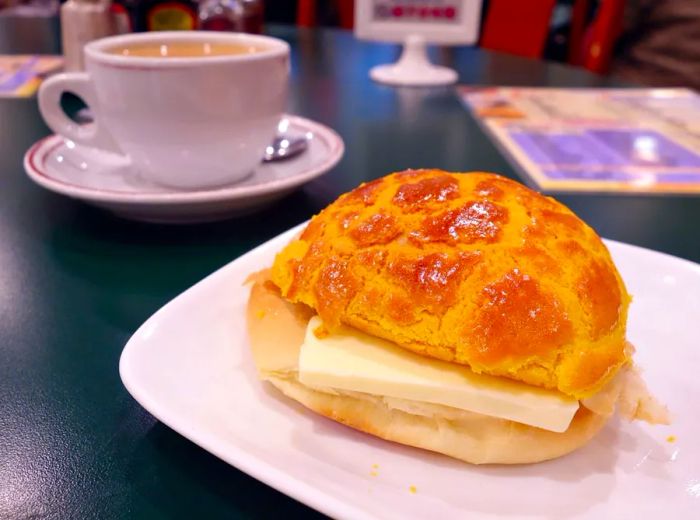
<point x="416" y="23"/>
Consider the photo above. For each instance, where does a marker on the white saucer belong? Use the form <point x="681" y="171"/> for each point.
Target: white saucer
<point x="108" y="181"/>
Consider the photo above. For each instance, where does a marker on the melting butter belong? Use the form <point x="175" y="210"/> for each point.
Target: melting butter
<point x="353" y="361"/>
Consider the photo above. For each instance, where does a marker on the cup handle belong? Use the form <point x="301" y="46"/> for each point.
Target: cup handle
<point x="80" y="84"/>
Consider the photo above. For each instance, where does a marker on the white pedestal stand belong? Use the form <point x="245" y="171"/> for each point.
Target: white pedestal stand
<point x="413" y="68"/>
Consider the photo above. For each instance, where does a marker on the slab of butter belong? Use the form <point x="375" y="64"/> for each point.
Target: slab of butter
<point x="353" y="361"/>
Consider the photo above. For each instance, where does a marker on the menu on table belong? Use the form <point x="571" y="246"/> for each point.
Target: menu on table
<point x="613" y="140"/>
<point x="21" y="75"/>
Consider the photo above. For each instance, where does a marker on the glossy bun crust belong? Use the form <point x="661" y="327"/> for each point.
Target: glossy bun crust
<point x="469" y="268"/>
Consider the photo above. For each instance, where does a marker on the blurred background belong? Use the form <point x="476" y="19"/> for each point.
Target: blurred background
<point x="648" y="42"/>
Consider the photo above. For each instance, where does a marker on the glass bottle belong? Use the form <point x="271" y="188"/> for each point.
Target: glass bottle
<point x="231" y="15"/>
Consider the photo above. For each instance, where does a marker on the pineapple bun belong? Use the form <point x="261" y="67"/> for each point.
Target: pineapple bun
<point x="469" y="268"/>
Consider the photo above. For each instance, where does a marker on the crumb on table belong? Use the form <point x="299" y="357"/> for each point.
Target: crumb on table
<point x="412" y="489"/>
<point x="671" y="438"/>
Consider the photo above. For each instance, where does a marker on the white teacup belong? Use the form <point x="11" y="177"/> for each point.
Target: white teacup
<point x="191" y="121"/>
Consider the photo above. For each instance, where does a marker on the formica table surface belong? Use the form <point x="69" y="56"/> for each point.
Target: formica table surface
<point x="76" y="282"/>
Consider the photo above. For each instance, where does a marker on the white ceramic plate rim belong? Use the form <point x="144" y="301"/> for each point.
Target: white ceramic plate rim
<point x="34" y="157"/>
<point x="285" y="482"/>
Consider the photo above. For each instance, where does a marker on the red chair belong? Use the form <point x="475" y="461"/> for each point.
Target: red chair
<point x="517" y="26"/>
<point x="579" y="15"/>
<point x="598" y="41"/>
<point x="521" y="27"/>
<point x="306" y="13"/>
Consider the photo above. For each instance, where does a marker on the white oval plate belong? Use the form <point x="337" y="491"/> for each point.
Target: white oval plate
<point x="189" y="365"/>
<point x="107" y="180"/>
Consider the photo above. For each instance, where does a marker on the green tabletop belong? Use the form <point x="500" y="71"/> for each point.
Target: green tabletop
<point x="75" y="282"/>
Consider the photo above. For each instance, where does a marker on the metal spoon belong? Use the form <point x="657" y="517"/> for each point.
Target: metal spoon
<point x="286" y="145"/>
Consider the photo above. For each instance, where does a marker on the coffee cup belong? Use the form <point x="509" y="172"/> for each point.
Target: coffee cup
<point x="189" y="109"/>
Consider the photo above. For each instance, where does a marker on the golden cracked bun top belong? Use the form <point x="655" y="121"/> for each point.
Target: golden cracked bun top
<point x="469" y="268"/>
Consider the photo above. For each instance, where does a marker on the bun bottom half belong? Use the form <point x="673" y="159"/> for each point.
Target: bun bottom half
<point x="276" y="330"/>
